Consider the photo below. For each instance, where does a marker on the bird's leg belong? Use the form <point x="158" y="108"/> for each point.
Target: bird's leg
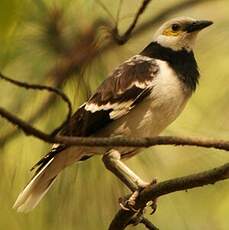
<point x="112" y="161"/>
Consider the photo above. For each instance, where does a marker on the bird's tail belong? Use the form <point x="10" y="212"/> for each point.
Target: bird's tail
<point x="49" y="167"/>
<point x="35" y="190"/>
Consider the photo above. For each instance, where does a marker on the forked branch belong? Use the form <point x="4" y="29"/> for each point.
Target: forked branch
<point x="123" y="218"/>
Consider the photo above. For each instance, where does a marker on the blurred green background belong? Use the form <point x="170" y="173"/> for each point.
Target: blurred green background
<point x="35" y="37"/>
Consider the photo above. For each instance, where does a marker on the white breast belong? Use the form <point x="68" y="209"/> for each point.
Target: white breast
<point x="155" y="113"/>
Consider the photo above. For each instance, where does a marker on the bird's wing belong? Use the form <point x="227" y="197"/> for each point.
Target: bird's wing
<point x="127" y="86"/>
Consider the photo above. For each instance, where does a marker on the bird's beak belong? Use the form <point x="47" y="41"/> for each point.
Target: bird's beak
<point x="198" y="25"/>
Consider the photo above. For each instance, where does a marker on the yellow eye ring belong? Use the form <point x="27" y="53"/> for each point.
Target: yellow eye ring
<point x="171" y="32"/>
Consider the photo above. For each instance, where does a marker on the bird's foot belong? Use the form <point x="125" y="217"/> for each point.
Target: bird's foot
<point x="129" y="203"/>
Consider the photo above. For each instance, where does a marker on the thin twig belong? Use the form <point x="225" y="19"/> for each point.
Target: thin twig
<point x="121" y="39"/>
<point x="148" y="224"/>
<point x="46" y="104"/>
<point x="142" y="220"/>
<point x="25" y="127"/>
<point x="118" y="13"/>
<point x="140" y="11"/>
<point x="103" y="6"/>
<point x="49" y="89"/>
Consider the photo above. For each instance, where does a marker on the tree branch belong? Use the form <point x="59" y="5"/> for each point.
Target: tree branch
<point x="114" y="141"/>
<point x="49" y="89"/>
<point x="151" y="192"/>
<point x="148" y="224"/>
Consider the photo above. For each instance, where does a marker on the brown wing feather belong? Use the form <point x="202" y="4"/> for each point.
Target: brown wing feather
<point x="127" y="86"/>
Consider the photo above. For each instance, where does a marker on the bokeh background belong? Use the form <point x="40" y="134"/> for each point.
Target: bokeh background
<point x="37" y="39"/>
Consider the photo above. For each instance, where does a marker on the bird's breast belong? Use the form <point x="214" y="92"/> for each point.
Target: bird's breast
<point x="166" y="101"/>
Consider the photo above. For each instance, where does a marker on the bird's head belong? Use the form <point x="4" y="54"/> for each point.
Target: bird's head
<point x="180" y="33"/>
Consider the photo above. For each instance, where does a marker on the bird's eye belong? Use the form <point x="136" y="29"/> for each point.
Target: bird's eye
<point x="175" y="27"/>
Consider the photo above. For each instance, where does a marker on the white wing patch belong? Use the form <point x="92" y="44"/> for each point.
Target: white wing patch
<point x="140" y="85"/>
<point x="118" y="109"/>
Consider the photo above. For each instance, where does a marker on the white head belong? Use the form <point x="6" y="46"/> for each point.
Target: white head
<point x="180" y="33"/>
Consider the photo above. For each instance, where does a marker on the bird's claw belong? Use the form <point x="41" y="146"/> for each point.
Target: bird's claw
<point x="128" y="204"/>
<point x="153" y="204"/>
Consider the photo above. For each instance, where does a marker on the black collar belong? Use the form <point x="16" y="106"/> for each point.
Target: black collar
<point x="183" y="62"/>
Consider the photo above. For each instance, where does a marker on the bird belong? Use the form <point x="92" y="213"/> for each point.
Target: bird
<point x="140" y="98"/>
